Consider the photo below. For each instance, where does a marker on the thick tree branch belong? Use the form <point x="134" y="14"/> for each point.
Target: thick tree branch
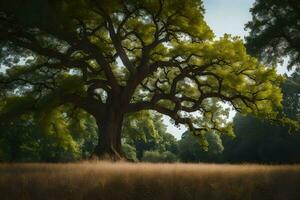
<point x="118" y="45"/>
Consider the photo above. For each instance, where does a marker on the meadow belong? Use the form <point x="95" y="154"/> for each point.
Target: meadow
<point x="122" y="181"/>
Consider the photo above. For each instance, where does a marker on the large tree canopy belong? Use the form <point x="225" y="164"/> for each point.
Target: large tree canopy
<point x="111" y="58"/>
<point x="275" y="31"/>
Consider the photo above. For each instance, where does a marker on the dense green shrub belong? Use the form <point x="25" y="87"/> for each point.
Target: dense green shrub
<point x="157" y="157"/>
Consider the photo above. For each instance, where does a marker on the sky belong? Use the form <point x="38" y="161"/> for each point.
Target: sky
<point x="228" y="16"/>
<point x="223" y="16"/>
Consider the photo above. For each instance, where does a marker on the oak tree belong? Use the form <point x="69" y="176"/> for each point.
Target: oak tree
<point x="113" y="58"/>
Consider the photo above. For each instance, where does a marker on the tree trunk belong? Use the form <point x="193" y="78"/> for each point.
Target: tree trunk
<point x="109" y="136"/>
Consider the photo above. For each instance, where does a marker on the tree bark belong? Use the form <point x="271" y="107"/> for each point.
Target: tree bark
<point x="109" y="136"/>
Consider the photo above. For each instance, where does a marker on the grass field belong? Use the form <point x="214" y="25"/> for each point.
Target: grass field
<point x="121" y="181"/>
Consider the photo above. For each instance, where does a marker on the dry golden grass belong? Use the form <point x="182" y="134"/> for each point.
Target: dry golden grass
<point x="121" y="181"/>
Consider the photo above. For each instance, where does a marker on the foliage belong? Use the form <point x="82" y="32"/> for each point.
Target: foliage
<point x="21" y="140"/>
<point x="141" y="131"/>
<point x="130" y="152"/>
<point x="63" y="138"/>
<point x="291" y="100"/>
<point x="261" y="142"/>
<point x="159" y="157"/>
<point x="274" y="31"/>
<point x="192" y="150"/>
<point x="147" y="132"/>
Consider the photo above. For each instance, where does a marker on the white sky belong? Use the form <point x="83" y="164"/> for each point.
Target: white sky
<point x="223" y="16"/>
